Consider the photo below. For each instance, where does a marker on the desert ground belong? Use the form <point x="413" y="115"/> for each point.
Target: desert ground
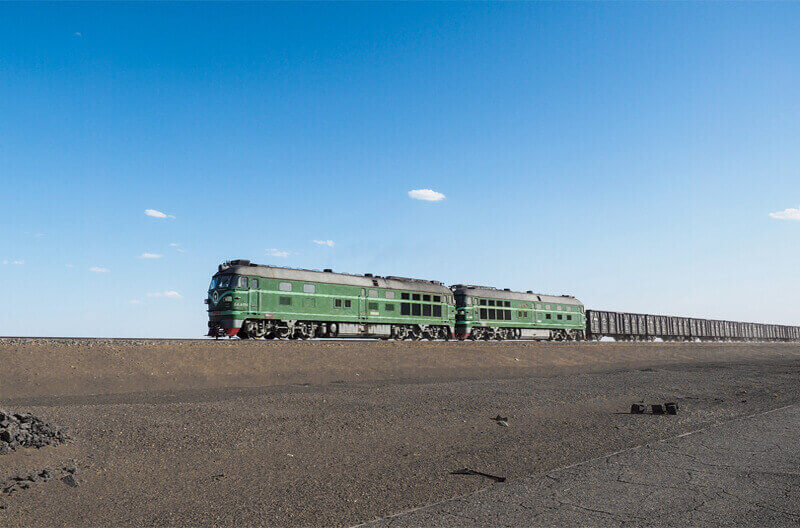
<point x="336" y="433"/>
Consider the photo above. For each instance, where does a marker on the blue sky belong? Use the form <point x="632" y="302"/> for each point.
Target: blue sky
<point x="629" y="154"/>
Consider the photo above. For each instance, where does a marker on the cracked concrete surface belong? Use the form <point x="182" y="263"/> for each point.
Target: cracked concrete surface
<point x="745" y="472"/>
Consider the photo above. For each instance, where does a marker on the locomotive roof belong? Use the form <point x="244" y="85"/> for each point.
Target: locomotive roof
<point x="488" y="291"/>
<point x="329" y="277"/>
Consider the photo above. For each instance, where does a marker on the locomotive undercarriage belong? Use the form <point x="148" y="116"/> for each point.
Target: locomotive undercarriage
<point x="291" y="329"/>
<point x="488" y="333"/>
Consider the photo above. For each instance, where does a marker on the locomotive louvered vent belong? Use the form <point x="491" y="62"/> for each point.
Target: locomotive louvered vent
<point x="328" y="270"/>
<point x="506" y="289"/>
<point x="368" y="274"/>
<point x="240" y="262"/>
<point x="529" y="291"/>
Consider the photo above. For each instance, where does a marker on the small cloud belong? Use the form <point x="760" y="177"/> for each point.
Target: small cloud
<point x="150" y="256"/>
<point x="19" y="262"/>
<point x="134" y="301"/>
<point x="177" y="247"/>
<point x="181" y="250"/>
<point x="787" y="214"/>
<point x="157" y="214"/>
<point x="329" y="243"/>
<point x="171" y="294"/>
<point x="77" y="34"/>
<point x="99" y="269"/>
<point x="173" y="244"/>
<point x="278" y="253"/>
<point x="427" y="195"/>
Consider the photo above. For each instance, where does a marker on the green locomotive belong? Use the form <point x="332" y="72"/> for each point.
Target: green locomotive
<point x="254" y="301"/>
<point x="489" y="313"/>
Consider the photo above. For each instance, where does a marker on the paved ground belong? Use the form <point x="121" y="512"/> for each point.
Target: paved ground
<point x="743" y="473"/>
<point x="359" y="446"/>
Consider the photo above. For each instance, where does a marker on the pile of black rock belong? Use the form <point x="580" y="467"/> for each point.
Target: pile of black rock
<point x="25" y="430"/>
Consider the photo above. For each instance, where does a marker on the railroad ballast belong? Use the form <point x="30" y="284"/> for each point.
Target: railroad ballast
<point x="253" y="301"/>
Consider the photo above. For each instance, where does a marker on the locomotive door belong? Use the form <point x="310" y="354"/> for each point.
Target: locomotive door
<point x="253" y="295"/>
<point x="362" y="304"/>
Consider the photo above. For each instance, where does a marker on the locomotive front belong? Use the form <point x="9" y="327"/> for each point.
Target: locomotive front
<point x="226" y="302"/>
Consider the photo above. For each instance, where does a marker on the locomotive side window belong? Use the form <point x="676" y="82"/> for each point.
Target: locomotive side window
<point x="483" y="302"/>
<point x="373" y="306"/>
<point x="491" y="313"/>
<point x="373" y="293"/>
<point x="347" y="303"/>
<point x="437" y="310"/>
<point x="285" y="301"/>
<point x="405" y="308"/>
<point x="241" y="282"/>
<point x="309" y="288"/>
<point x="254" y="284"/>
<point x="437" y="298"/>
<point x="389" y="307"/>
<point x="337" y="303"/>
<point x="285" y="286"/>
<point x="560" y="316"/>
<point x="548" y="316"/>
<point x="483" y="313"/>
<point x="415" y="296"/>
<point x="426" y="310"/>
<point x="415" y="309"/>
<point x="405" y="296"/>
<point x="426" y="298"/>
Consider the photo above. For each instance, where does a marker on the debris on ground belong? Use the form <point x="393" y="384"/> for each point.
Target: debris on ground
<point x="468" y="471"/>
<point x="22" y="482"/>
<point x="656" y="408"/>
<point x="501" y="421"/>
<point x="25" y="430"/>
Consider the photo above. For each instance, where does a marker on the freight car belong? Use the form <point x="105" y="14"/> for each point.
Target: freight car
<point x="483" y="312"/>
<point x="253" y="301"/>
<point x="646" y="327"/>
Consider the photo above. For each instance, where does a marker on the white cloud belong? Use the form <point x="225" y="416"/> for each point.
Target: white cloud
<point x="77" y="34"/>
<point x="157" y="214"/>
<point x="171" y="294"/>
<point x="177" y="247"/>
<point x="99" y="269"/>
<point x="19" y="262"/>
<point x="181" y="250"/>
<point x="787" y="214"/>
<point x="135" y="301"/>
<point x="278" y="253"/>
<point x="150" y="256"/>
<point x="173" y="244"/>
<point x="329" y="243"/>
<point x="427" y="195"/>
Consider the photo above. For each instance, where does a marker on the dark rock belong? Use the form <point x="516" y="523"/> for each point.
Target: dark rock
<point x="658" y="408"/>
<point x="637" y="408"/>
<point x="70" y="481"/>
<point x="71" y="469"/>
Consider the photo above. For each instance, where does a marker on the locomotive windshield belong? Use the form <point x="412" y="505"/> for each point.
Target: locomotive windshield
<point x="223" y="281"/>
